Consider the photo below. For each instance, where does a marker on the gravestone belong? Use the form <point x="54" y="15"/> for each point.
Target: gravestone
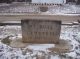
<point x="40" y="31"/>
<point x="43" y="9"/>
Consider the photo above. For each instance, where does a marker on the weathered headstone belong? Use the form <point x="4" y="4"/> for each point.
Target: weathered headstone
<point x="40" y="31"/>
<point x="43" y="9"/>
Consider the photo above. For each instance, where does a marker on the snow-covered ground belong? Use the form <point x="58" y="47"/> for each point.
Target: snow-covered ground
<point x="24" y="8"/>
<point x="70" y="33"/>
<point x="48" y="1"/>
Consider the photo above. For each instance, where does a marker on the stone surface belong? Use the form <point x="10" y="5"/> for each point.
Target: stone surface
<point x="18" y="44"/>
<point x="40" y="31"/>
<point x="43" y="9"/>
<point x="63" y="47"/>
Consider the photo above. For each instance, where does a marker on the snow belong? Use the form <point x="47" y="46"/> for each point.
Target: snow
<point x="70" y="33"/>
<point x="42" y="47"/>
<point x="48" y="1"/>
<point x="73" y="54"/>
<point x="55" y="57"/>
<point x="24" y="8"/>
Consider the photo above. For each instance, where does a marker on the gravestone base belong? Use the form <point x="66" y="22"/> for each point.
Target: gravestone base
<point x="40" y="31"/>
